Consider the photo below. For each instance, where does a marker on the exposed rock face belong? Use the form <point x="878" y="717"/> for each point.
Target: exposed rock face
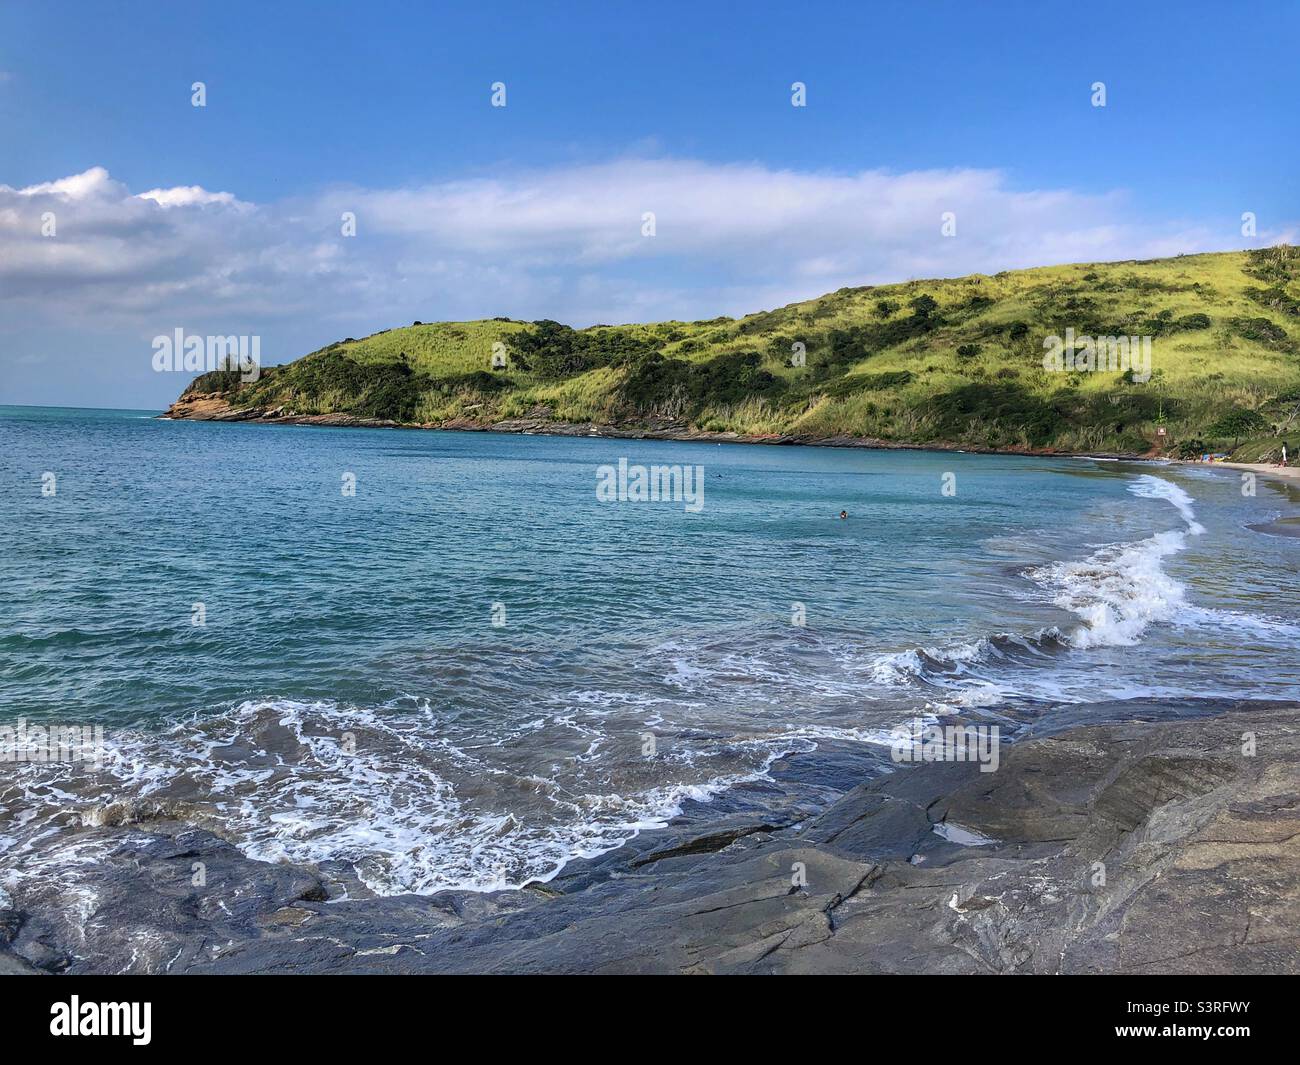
<point x="1143" y="846"/>
<point x="216" y="407"/>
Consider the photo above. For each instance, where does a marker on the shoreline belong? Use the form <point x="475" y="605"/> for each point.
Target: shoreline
<point x="1284" y="473"/>
<point x="682" y="434"/>
<point x="217" y="410"/>
<point x="1107" y="834"/>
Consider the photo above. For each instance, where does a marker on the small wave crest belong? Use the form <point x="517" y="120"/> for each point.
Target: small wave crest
<point x="1150" y="487"/>
<point x="1120" y="590"/>
<point x="940" y="666"/>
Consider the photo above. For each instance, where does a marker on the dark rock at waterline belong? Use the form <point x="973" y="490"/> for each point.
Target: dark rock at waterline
<point x="139" y="909"/>
<point x="1280" y="527"/>
<point x="1157" y="845"/>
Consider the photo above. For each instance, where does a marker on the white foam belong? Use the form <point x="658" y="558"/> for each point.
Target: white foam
<point x="1120" y="590"/>
<point x="952" y="666"/>
<point x="1151" y="487"/>
<point x="409" y="810"/>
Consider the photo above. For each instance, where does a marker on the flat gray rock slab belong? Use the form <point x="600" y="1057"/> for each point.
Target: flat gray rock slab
<point x="1152" y="846"/>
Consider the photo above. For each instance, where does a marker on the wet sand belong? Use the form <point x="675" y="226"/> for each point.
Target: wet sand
<point x="1286" y="473"/>
<point x="1290" y="475"/>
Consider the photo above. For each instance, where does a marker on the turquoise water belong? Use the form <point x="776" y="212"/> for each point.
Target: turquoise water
<point x="349" y="698"/>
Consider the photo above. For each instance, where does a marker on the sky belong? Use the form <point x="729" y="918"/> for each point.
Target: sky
<point x="127" y="212"/>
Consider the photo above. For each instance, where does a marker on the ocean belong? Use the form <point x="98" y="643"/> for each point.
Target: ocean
<point x="451" y="660"/>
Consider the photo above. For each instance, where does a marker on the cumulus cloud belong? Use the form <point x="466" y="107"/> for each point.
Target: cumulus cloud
<point x="566" y="243"/>
<point x="94" y="182"/>
<point x="188" y="196"/>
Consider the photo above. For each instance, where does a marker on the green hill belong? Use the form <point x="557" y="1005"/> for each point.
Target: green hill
<point x="951" y="362"/>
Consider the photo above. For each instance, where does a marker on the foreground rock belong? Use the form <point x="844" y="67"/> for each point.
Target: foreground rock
<point x="1152" y="846"/>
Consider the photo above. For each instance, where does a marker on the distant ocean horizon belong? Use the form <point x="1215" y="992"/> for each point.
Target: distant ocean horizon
<point x="438" y="659"/>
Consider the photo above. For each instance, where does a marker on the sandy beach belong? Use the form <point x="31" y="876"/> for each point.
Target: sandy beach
<point x="1284" y="473"/>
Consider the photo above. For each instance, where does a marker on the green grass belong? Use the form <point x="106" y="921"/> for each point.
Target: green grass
<point x="955" y="362"/>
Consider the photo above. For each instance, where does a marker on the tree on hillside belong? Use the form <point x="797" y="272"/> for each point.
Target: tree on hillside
<point x="923" y="306"/>
<point x="1237" y="424"/>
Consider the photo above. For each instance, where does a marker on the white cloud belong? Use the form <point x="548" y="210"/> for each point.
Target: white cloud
<point x="187" y="196"/>
<point x="563" y="243"/>
<point x="93" y="182"/>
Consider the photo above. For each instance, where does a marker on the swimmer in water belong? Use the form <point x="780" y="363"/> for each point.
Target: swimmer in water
<point x="844" y="513"/>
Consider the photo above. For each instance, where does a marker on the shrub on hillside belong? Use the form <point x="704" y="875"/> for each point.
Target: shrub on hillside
<point x="1007" y="403"/>
<point x="214" y="381"/>
<point x="653" y="381"/>
<point x="480" y="381"/>
<point x="331" y="380"/>
<point x="731" y="378"/>
<point x="655" y="384"/>
<point x="552" y="350"/>
<point x="1260" y="330"/>
<point x="1276" y="298"/>
<point x="1277" y="264"/>
<point x="863" y="382"/>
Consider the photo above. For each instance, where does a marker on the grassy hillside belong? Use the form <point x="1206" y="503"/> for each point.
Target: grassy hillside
<point x="954" y="362"/>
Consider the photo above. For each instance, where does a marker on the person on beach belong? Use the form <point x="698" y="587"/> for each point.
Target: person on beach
<point x="1283" y="452"/>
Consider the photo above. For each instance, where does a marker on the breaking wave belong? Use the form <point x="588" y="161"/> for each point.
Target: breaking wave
<point x="1117" y="592"/>
<point x="1120" y="590"/>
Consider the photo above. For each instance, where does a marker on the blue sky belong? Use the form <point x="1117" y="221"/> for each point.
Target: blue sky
<point x="534" y="209"/>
